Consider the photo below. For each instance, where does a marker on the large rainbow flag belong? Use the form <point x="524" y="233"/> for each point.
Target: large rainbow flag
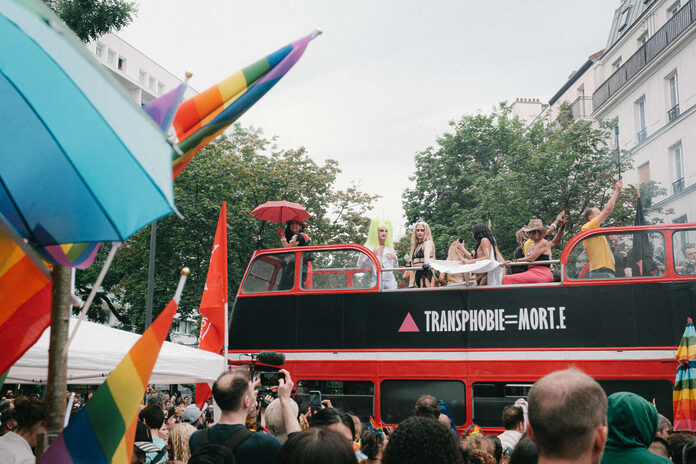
<point x="684" y="396"/>
<point x="202" y="118"/>
<point x="25" y="302"/>
<point x="103" y="431"/>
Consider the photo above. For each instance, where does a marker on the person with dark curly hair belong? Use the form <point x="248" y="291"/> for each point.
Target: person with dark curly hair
<point x="421" y="440"/>
<point x="316" y="445"/>
<point x="675" y="445"/>
<point x="372" y="444"/>
<point x="15" y="446"/>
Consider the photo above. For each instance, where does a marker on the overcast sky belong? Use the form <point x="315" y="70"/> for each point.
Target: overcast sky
<point x="385" y="78"/>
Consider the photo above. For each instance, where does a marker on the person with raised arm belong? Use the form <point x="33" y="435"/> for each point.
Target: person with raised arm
<point x="597" y="248"/>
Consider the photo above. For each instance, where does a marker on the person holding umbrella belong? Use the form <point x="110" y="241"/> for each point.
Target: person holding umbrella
<point x="292" y="214"/>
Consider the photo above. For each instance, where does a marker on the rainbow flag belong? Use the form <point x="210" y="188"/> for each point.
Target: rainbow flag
<point x="684" y="396"/>
<point x="78" y="255"/>
<point x="163" y="109"/>
<point x="25" y="302"/>
<point x="103" y="431"/>
<point x="203" y="117"/>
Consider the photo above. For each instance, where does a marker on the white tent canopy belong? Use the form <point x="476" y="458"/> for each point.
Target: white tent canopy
<point x="97" y="350"/>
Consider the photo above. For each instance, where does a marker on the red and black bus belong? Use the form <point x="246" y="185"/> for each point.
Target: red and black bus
<point x="374" y="351"/>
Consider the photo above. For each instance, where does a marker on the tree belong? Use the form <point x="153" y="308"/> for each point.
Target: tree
<point x="244" y="169"/>
<point x="494" y="167"/>
<point x="90" y="19"/>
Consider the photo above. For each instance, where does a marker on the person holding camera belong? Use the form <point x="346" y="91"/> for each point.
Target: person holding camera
<point x="235" y="394"/>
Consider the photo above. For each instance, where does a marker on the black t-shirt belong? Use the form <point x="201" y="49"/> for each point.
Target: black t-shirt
<point x="260" y="448"/>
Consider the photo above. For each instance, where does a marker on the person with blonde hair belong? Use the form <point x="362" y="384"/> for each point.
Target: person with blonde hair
<point x="179" y="439"/>
<point x="380" y="241"/>
<point x="422" y="251"/>
<point x="457" y="252"/>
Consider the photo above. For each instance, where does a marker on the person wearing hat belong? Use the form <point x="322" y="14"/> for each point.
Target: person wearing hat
<point x="539" y="251"/>
<point x="191" y="415"/>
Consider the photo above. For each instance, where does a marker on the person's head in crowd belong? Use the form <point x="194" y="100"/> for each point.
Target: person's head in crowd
<point x="234" y="393"/>
<point x="481" y="231"/>
<point x="274" y="418"/>
<point x="568" y="417"/>
<point x="316" y="445"/>
<point x="513" y="418"/>
<point x="479" y="457"/>
<point x="187" y="400"/>
<point x="179" y="439"/>
<point x="525" y="452"/>
<point x="497" y="447"/>
<point x="632" y="426"/>
<point x="427" y="406"/>
<point x="357" y="426"/>
<point x="421" y="440"/>
<point x="333" y="419"/>
<point x="7" y="420"/>
<point x="191" y="415"/>
<point x="689" y="451"/>
<point x="155" y="397"/>
<point x="444" y="420"/>
<point x="675" y="445"/>
<point x="172" y="419"/>
<point x="178" y="401"/>
<point x="164" y="432"/>
<point x="664" y="427"/>
<point x="372" y="444"/>
<point x="153" y="416"/>
<point x="659" y="446"/>
<point x="30" y="415"/>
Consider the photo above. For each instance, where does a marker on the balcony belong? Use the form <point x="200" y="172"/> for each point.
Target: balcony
<point x="678" y="185"/>
<point x="659" y="41"/>
<point x="673" y="113"/>
<point x="581" y="108"/>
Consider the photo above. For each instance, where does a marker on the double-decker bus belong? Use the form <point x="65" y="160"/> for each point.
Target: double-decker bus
<point x="375" y="351"/>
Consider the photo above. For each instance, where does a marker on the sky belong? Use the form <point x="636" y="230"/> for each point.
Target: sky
<point x="385" y="78"/>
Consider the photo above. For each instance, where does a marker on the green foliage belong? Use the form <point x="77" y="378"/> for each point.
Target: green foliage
<point x="245" y="170"/>
<point x="494" y="167"/>
<point x="90" y="19"/>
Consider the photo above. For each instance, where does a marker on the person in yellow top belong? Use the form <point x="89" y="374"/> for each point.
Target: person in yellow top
<point x="597" y="248"/>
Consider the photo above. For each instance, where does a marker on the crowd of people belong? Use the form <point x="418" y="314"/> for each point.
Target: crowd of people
<point x="566" y="418"/>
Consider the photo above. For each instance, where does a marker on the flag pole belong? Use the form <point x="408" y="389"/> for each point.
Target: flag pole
<point x="227" y="325"/>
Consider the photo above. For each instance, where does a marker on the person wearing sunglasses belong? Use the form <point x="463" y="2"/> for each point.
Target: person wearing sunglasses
<point x="540" y="250"/>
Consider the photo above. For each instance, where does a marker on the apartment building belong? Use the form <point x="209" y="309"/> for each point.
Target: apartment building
<point x="142" y="77"/>
<point x="645" y="81"/>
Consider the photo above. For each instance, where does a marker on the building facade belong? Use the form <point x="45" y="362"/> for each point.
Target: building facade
<point x="142" y="77"/>
<point x="645" y="82"/>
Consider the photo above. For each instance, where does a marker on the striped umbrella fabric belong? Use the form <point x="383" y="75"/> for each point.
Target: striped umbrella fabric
<point x="202" y="118"/>
<point x="684" y="396"/>
<point x="103" y="431"/>
<point x="25" y="302"/>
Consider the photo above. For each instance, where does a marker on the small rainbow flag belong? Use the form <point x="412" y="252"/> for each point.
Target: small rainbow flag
<point x="103" y="431"/>
<point x="78" y="255"/>
<point x="684" y="396"/>
<point x="202" y="118"/>
<point x="25" y="302"/>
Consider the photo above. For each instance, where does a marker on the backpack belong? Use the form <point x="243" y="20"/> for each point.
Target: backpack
<point x="212" y="453"/>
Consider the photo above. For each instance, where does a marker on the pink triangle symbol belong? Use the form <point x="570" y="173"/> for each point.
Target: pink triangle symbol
<point x="409" y="325"/>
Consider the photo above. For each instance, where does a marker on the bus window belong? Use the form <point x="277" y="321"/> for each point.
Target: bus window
<point x="684" y="248"/>
<point x="337" y="270"/>
<point x="621" y="256"/>
<point x="658" y="392"/>
<point x="491" y="397"/>
<point x="398" y="397"/>
<point x="357" y="397"/>
<point x="269" y="273"/>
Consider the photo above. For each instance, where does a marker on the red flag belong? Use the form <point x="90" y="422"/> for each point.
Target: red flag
<point x="214" y="301"/>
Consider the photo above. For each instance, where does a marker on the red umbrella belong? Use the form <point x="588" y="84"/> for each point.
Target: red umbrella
<point x="281" y="211"/>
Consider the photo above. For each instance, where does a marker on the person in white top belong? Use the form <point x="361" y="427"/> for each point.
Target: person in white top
<point x="379" y="240"/>
<point x="15" y="447"/>
<point x="513" y="421"/>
